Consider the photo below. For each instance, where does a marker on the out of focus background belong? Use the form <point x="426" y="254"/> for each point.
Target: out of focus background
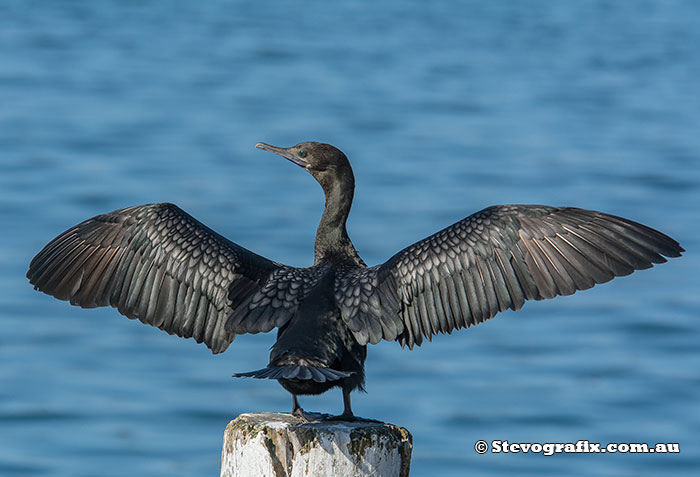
<point x="443" y="108"/>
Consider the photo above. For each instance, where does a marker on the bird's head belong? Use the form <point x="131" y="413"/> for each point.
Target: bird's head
<point x="326" y="163"/>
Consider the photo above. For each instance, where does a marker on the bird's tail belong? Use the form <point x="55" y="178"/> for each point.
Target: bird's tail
<point x="318" y="374"/>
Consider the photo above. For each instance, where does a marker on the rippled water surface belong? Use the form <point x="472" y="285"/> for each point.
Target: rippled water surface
<point x="443" y="108"/>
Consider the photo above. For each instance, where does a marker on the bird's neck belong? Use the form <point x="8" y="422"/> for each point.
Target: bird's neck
<point x="332" y="241"/>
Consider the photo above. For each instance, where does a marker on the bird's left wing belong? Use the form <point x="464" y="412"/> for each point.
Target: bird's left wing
<point x="490" y="261"/>
<point x="158" y="264"/>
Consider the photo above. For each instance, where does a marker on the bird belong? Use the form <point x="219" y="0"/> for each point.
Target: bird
<point x="158" y="264"/>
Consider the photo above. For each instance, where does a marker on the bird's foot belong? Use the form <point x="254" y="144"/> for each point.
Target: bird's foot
<point x="310" y="416"/>
<point x="350" y="418"/>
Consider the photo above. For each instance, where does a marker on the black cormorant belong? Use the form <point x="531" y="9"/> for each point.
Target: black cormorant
<point x="158" y="264"/>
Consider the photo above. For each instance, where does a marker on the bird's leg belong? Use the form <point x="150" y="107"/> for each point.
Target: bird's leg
<point x="347" y="409"/>
<point x="297" y="410"/>
<point x="306" y="416"/>
<point x="347" y="414"/>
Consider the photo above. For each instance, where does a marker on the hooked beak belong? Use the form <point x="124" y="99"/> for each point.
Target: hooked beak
<point x="286" y="153"/>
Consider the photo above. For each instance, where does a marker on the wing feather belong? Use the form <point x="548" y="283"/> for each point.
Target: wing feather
<point x="497" y="259"/>
<point x="158" y="264"/>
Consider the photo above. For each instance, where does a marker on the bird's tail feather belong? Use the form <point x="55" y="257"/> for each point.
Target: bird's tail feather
<point x="318" y="374"/>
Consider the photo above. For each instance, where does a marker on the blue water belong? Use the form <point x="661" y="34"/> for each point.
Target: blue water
<point x="443" y="108"/>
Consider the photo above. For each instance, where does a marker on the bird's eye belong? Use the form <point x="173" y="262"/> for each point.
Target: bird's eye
<point x="302" y="153"/>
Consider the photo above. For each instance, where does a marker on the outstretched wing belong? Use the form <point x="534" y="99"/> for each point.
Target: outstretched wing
<point x="158" y="264"/>
<point x="490" y="261"/>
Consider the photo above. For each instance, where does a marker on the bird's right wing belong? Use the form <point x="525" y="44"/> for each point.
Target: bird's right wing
<point x="158" y="264"/>
<point x="490" y="261"/>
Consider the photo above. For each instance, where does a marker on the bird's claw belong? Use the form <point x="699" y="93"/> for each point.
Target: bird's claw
<point x="310" y="416"/>
<point x="351" y="418"/>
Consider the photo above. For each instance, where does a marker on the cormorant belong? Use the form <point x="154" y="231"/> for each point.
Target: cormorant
<point x="158" y="264"/>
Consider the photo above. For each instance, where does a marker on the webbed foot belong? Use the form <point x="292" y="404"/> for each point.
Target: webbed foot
<point x="350" y="418"/>
<point x="310" y="416"/>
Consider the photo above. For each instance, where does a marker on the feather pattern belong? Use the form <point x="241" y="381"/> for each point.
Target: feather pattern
<point x="157" y="264"/>
<point x="313" y="373"/>
<point x="491" y="261"/>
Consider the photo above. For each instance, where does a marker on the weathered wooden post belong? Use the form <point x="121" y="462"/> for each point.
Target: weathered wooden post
<point x="282" y="445"/>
